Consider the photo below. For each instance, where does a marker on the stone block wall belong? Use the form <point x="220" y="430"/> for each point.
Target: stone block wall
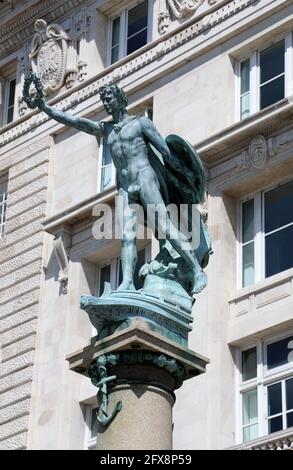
<point x="20" y="275"/>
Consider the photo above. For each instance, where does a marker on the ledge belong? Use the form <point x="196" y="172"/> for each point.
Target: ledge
<point x="282" y="440"/>
<point x="266" y="284"/>
<point x="238" y="136"/>
<point x="78" y="212"/>
<point x="264" y="308"/>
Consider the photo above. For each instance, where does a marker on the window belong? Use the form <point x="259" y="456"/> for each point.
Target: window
<point x="245" y="89"/>
<point x="266" y="234"/>
<point x="264" y="77"/>
<point x="248" y="242"/>
<point x="3" y="202"/>
<point x="10" y="99"/>
<point x="107" y="171"/>
<point x="91" y="427"/>
<point x="130" y="30"/>
<point x="7" y="93"/>
<point x="112" y="271"/>
<point x="266" y="388"/>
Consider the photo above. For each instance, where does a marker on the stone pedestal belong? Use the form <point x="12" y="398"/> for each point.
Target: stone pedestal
<point x="145" y="420"/>
<point x="136" y="371"/>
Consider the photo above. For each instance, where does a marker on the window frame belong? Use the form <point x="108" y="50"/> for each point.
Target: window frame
<point x="123" y="14"/>
<point x="3" y="204"/>
<point x="259" y="234"/>
<point x="7" y="107"/>
<point x="254" y="58"/>
<point x="261" y="382"/>
<point x="90" y="443"/>
<point x="114" y="274"/>
<point x="100" y="169"/>
<point x="6" y="100"/>
<point x="5" y="84"/>
<point x="114" y="270"/>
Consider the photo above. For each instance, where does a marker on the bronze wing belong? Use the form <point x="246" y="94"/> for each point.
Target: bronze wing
<point x="182" y="178"/>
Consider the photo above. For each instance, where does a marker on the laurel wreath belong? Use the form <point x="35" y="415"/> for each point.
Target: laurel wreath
<point x="31" y="78"/>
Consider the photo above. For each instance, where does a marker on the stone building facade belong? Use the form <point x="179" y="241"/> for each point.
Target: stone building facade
<point x="217" y="72"/>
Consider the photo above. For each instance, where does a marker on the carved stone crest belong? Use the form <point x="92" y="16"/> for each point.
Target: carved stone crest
<point x="258" y="151"/>
<point x="183" y="8"/>
<point x="53" y="56"/>
<point x="257" y="154"/>
<point x="179" y="9"/>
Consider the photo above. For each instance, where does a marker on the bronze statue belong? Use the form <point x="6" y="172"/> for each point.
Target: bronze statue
<point x="150" y="171"/>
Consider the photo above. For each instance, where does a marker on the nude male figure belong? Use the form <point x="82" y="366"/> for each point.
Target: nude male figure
<point x="128" y="137"/>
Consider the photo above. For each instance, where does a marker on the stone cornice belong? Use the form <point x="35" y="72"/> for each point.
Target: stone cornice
<point x="127" y="66"/>
<point x="79" y="212"/>
<point x="21" y="28"/>
<point x="216" y="150"/>
<point x="224" y="144"/>
<point x="282" y="440"/>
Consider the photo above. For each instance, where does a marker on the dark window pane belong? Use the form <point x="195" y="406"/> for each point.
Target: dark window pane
<point x="272" y="92"/>
<point x="137" y="18"/>
<point x="275" y="399"/>
<point x="272" y="61"/>
<point x="289" y="394"/>
<point x="149" y="113"/>
<point x="289" y="420"/>
<point x="104" y="277"/>
<point x="249" y="364"/>
<point x="275" y="424"/>
<point x="10" y="115"/>
<point x="12" y="86"/>
<point x="245" y="76"/>
<point x="278" y="352"/>
<point x="140" y="262"/>
<point x="3" y="185"/>
<point x="120" y="277"/>
<point x="279" y="207"/>
<point x="279" y="253"/>
<point x="248" y="221"/>
<point x="115" y="31"/>
<point x="94" y="423"/>
<point x="137" y="41"/>
<point x="107" y="159"/>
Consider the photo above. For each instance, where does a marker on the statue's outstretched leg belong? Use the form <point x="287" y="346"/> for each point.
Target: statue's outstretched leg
<point x="128" y="226"/>
<point x="150" y="195"/>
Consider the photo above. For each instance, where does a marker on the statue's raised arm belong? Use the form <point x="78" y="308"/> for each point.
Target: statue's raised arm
<point x="82" y="124"/>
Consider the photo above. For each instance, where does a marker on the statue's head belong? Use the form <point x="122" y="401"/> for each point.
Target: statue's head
<point x="113" y="98"/>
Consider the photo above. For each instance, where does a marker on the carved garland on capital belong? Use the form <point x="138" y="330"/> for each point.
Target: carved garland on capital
<point x="98" y="373"/>
<point x="178" y="9"/>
